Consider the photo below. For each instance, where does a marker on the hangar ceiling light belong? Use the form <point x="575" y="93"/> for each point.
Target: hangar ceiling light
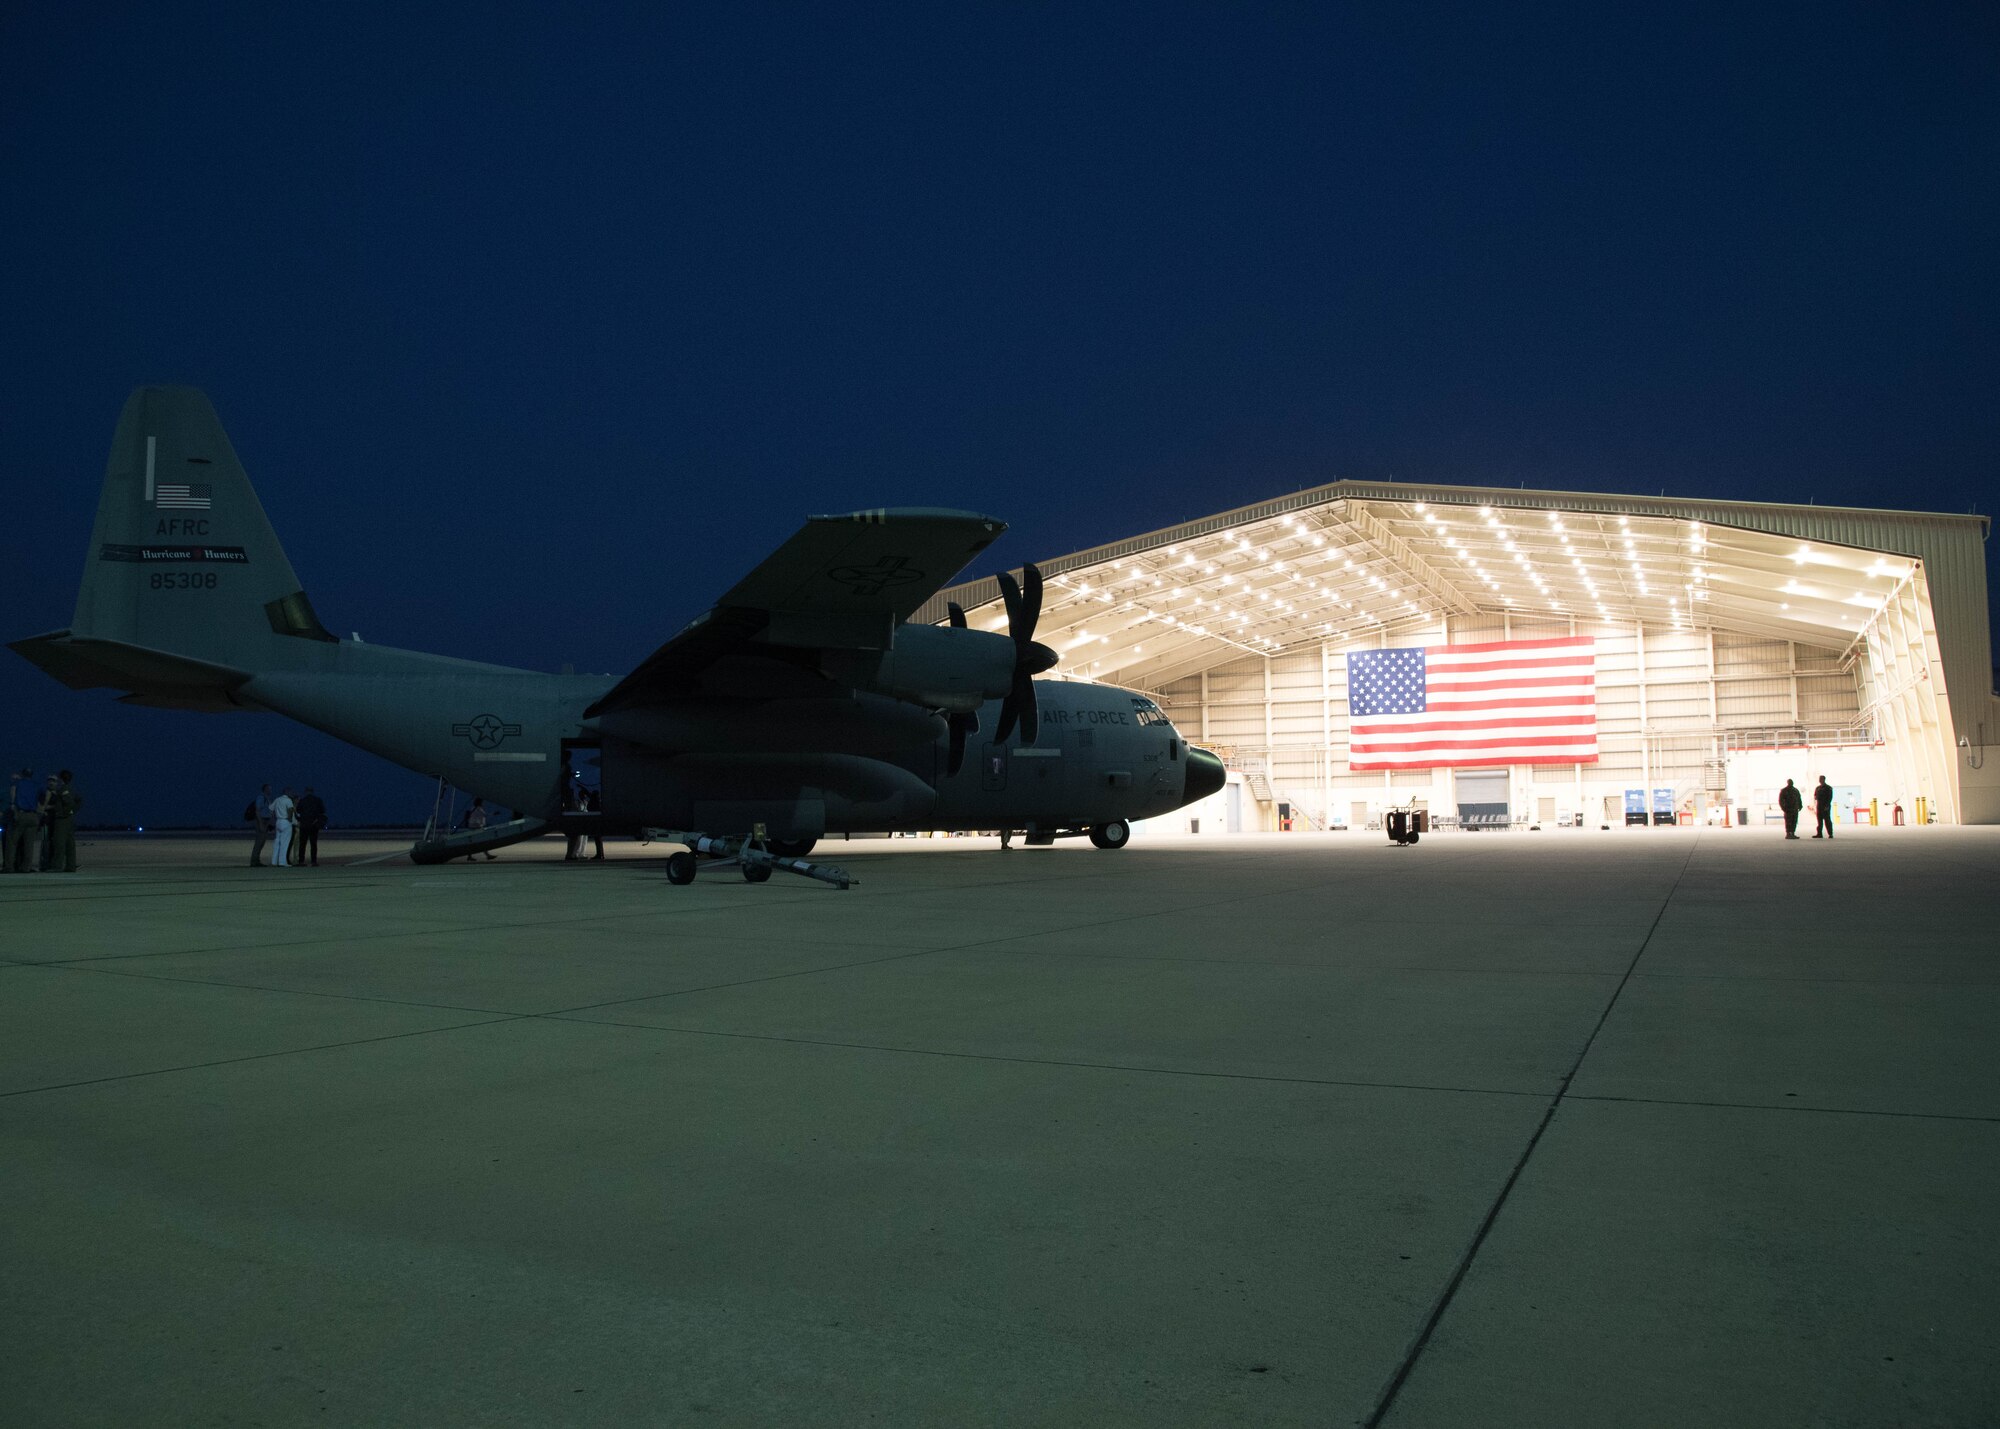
<point x="1349" y="569"/>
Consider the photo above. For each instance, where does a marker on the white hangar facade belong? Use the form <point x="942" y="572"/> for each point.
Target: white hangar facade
<point x="1728" y="646"/>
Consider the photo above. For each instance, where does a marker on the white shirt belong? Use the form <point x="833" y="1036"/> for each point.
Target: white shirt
<point x="281" y="808"/>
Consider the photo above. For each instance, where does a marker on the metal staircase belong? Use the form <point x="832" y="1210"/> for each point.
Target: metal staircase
<point x="1257" y="779"/>
<point x="434" y="847"/>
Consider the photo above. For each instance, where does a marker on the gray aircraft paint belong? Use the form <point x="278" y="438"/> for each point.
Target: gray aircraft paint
<point x="803" y="701"/>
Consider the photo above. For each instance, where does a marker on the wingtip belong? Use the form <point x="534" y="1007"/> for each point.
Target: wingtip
<point x="882" y="515"/>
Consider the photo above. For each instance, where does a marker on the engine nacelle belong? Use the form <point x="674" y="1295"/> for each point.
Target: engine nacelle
<point x="859" y="724"/>
<point x="936" y="666"/>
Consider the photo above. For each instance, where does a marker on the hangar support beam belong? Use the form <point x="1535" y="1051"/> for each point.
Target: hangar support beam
<point x="1363" y="522"/>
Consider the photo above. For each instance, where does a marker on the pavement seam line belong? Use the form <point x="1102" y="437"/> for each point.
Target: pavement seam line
<point x="904" y="956"/>
<point x="1773" y="1106"/>
<point x="1043" y="1061"/>
<point x="1422" y="1341"/>
<point x="254" y="1057"/>
<point x="766" y="900"/>
<point x="91" y="965"/>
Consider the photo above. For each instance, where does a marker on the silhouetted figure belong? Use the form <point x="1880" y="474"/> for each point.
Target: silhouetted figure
<point x="60" y="820"/>
<point x="1790" y="801"/>
<point x="24" y="826"/>
<point x="45" y="806"/>
<point x="312" y="818"/>
<point x="260" y="811"/>
<point x="1823" y="808"/>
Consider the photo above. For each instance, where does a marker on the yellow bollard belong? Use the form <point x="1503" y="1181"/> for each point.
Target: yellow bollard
<point x="1874" y="812"/>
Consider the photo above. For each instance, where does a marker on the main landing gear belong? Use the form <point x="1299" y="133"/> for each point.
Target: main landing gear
<point x="1115" y="834"/>
<point x="757" y="859"/>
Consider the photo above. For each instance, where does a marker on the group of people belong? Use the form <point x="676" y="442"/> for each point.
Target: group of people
<point x="291" y="827"/>
<point x="41" y="824"/>
<point x="1791" y="801"/>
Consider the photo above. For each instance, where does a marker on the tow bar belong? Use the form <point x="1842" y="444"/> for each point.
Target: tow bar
<point x="749" y="854"/>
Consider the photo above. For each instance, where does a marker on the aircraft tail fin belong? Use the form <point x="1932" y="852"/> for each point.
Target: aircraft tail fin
<point x="183" y="563"/>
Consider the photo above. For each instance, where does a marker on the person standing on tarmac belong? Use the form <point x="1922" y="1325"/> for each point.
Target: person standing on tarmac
<point x="261" y="811"/>
<point x="1790" y="801"/>
<point x="312" y="818"/>
<point x="45" y="806"/>
<point x="24" y="826"/>
<point x="283" y="810"/>
<point x="59" y="804"/>
<point x="591" y="805"/>
<point x="1823" y="808"/>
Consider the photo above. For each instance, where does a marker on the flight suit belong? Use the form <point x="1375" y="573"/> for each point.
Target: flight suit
<point x="24" y="828"/>
<point x="62" y="829"/>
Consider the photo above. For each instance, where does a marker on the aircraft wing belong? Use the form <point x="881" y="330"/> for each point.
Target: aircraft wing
<point x="840" y="583"/>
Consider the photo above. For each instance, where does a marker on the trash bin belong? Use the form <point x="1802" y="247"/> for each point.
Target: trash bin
<point x="1743" y="818"/>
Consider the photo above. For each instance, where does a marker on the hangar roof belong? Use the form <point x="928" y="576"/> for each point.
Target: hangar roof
<point x="1360" y="561"/>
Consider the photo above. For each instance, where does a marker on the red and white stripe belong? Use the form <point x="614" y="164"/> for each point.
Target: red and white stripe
<point x="1501" y="702"/>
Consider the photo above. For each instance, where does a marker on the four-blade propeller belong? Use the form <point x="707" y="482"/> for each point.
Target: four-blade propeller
<point x="1024" y="608"/>
<point x="961" y="725"/>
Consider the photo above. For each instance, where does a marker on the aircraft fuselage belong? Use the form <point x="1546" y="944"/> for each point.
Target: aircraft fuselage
<point x="803" y="767"/>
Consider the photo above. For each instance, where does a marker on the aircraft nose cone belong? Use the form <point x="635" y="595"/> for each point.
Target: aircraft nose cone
<point x="1205" y="775"/>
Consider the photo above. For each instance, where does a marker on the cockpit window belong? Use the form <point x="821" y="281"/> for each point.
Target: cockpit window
<point x="1146" y="713"/>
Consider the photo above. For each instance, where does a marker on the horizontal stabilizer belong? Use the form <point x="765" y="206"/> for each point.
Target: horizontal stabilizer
<point x="156" y="676"/>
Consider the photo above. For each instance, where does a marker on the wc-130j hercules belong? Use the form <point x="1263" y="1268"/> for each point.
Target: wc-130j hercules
<point x="803" y="703"/>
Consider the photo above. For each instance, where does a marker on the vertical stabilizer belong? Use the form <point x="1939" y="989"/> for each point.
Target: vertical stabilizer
<point x="182" y="559"/>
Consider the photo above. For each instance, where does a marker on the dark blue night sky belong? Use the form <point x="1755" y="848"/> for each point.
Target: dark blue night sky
<point x="536" y="328"/>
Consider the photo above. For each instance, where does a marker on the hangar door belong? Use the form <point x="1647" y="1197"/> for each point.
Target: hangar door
<point x="1481" y="795"/>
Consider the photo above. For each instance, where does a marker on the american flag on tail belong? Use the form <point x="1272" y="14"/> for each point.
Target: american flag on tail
<point x="181" y="496"/>
<point x="1501" y="702"/>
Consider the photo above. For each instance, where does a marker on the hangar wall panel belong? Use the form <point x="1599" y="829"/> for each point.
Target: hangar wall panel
<point x="1667" y="726"/>
<point x="1959" y="702"/>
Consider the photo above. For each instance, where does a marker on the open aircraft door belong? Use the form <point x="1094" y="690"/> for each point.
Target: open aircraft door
<point x="582" y="780"/>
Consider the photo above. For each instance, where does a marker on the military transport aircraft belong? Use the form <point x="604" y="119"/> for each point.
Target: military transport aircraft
<point x="803" y="704"/>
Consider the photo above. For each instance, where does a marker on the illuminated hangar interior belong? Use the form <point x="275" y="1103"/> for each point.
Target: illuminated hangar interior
<point x="1736" y="645"/>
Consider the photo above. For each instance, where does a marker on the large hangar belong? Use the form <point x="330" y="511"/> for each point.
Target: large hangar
<point x="1686" y="656"/>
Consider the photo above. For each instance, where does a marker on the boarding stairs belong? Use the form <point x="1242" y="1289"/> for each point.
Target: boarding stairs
<point x="1257" y="779"/>
<point x="434" y="847"/>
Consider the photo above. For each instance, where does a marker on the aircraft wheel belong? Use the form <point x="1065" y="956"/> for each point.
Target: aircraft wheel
<point x="1115" y="834"/>
<point x="792" y="848"/>
<point x="756" y="873"/>
<point x="680" y="868"/>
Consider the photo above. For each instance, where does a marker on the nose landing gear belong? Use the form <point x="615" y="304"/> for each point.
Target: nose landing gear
<point x="1115" y="834"/>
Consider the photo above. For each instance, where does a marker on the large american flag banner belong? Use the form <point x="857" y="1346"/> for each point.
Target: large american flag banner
<point x="1501" y="702"/>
